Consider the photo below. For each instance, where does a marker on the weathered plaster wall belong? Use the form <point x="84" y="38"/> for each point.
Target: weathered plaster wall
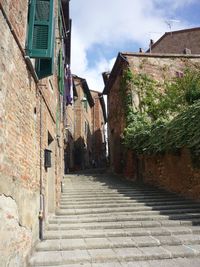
<point x="15" y="238"/>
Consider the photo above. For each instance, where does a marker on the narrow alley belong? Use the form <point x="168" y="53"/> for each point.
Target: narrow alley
<point x="103" y="221"/>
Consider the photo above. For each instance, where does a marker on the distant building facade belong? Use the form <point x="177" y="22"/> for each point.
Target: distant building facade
<point x="82" y="106"/>
<point x="98" y="124"/>
<point x="185" y="41"/>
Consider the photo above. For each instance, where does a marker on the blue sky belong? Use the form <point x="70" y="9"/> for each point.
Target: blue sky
<point x="102" y="28"/>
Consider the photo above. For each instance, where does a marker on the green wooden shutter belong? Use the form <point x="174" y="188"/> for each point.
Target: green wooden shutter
<point x="60" y="24"/>
<point x="40" y="29"/>
<point x="60" y="72"/>
<point x="44" y="67"/>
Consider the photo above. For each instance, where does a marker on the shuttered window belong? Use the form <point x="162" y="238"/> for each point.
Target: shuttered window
<point x="40" y="29"/>
<point x="44" y="67"/>
<point x="60" y="72"/>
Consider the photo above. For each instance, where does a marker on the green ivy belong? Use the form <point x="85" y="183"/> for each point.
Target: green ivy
<point x="165" y="120"/>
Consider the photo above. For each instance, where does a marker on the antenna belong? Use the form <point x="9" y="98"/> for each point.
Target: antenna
<point x="170" y="23"/>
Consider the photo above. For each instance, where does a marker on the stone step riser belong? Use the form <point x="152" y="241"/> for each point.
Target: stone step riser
<point x="161" y="219"/>
<point x="119" y="198"/>
<point x="123" y="203"/>
<point x="114" y="192"/>
<point x="69" y="257"/>
<point x="53" y="245"/>
<point x="124" y="222"/>
<point x="132" y="211"/>
<point x="117" y="226"/>
<point x="130" y="232"/>
<point x="134" y="205"/>
<point x="117" y="195"/>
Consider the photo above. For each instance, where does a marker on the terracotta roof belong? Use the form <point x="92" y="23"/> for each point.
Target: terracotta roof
<point x="86" y="89"/>
<point x="123" y="60"/>
<point x="172" y="32"/>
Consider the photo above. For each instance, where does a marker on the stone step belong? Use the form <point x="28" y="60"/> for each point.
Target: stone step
<point x="121" y="232"/>
<point x="117" y="224"/>
<point x="119" y="198"/>
<point x="178" y="262"/>
<point x="136" y="205"/>
<point x="124" y="202"/>
<point x="46" y="258"/>
<point x="113" y="191"/>
<point x="117" y="242"/>
<point x="130" y="210"/>
<point x="117" y="194"/>
<point x="192" y="218"/>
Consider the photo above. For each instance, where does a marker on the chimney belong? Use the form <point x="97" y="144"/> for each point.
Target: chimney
<point x="151" y="44"/>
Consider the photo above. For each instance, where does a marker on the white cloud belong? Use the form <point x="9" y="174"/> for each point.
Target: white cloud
<point x="113" y="23"/>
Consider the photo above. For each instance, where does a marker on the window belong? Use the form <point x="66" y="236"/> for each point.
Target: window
<point x="41" y="36"/>
<point x="85" y="102"/>
<point x="60" y="72"/>
<point x="40" y="29"/>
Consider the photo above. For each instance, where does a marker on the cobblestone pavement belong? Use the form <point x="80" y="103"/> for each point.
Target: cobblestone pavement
<point x="105" y="222"/>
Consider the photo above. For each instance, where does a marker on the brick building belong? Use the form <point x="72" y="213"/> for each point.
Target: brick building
<point x="82" y="106"/>
<point x="160" y="67"/>
<point x="98" y="124"/>
<point x="178" y="42"/>
<point x="35" y="46"/>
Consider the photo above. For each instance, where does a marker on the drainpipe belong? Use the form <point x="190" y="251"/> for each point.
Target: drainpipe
<point x="42" y="208"/>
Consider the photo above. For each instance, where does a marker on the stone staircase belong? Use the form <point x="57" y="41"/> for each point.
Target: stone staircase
<point x="104" y="222"/>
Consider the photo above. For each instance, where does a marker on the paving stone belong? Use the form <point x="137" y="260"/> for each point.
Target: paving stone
<point x="102" y="254"/>
<point x="180" y="251"/>
<point x="145" y="241"/>
<point x="189" y="239"/>
<point x="168" y="240"/>
<point x="67" y="244"/>
<point x="122" y="242"/>
<point x="110" y="264"/>
<point x="74" y="256"/>
<point x="129" y="254"/>
<point x="135" y="264"/>
<point x="45" y="258"/>
<point x="196" y="248"/>
<point x="98" y="242"/>
<point x="155" y="253"/>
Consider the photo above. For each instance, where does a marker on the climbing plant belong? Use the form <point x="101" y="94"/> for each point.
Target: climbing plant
<point x="166" y="116"/>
